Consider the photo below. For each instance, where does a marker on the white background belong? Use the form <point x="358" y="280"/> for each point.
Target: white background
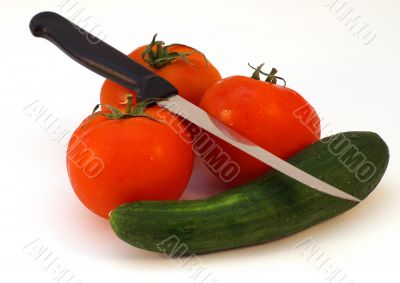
<point x="354" y="87"/>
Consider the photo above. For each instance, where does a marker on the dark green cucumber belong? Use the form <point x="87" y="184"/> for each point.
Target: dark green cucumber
<point x="265" y="209"/>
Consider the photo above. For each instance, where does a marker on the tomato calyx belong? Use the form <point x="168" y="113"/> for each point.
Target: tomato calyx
<point x="161" y="56"/>
<point x="130" y="112"/>
<point x="271" y="76"/>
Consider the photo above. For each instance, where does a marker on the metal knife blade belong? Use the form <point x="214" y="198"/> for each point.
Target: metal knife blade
<point x="199" y="117"/>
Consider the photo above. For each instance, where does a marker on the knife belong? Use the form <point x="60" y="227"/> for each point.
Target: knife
<point x="110" y="63"/>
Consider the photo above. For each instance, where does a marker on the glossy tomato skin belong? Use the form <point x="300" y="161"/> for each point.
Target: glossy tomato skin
<point x="111" y="162"/>
<point x="265" y="114"/>
<point x="190" y="79"/>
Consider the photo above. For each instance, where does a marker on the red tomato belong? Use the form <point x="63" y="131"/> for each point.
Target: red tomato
<point x="191" y="78"/>
<point x="111" y="162"/>
<point x="263" y="113"/>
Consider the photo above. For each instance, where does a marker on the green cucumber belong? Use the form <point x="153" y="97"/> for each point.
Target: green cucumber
<point x="268" y="208"/>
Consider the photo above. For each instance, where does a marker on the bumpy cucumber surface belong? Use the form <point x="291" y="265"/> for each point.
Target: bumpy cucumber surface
<point x="265" y="209"/>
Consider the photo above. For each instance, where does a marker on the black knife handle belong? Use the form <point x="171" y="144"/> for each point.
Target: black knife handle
<point x="98" y="56"/>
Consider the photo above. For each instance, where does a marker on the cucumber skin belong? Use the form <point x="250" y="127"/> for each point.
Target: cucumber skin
<point x="268" y="208"/>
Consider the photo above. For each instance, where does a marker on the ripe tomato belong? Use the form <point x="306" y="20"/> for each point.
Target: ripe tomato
<point x="111" y="162"/>
<point x="264" y="113"/>
<point x="191" y="77"/>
